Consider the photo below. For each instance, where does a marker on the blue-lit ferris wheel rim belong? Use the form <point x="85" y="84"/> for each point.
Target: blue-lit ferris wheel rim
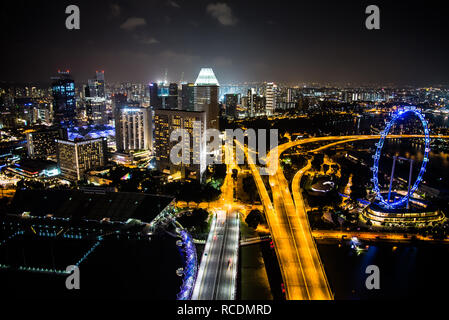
<point x="380" y="144"/>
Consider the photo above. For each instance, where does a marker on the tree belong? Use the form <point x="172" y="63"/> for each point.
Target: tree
<point x="250" y="188"/>
<point x="253" y="218"/>
<point x="197" y="219"/>
<point x="317" y="162"/>
<point x="219" y="171"/>
<point x="358" y="190"/>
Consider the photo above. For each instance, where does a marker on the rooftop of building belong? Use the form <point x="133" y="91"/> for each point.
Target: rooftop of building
<point x="90" y="204"/>
<point x="206" y="77"/>
<point x="179" y="111"/>
<point x="91" y="132"/>
<point x="35" y="165"/>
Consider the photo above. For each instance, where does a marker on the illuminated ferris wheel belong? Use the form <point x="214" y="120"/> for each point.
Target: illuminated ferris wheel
<point x="387" y="203"/>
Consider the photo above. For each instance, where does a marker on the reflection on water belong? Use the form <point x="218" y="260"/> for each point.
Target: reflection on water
<point x="406" y="271"/>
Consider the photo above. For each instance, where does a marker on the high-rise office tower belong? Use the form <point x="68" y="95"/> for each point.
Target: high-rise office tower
<point x="206" y="96"/>
<point x="250" y="101"/>
<point x="155" y="99"/>
<point x="119" y="100"/>
<point x="165" y="122"/>
<point x="289" y="95"/>
<point x="260" y="105"/>
<point x="43" y="113"/>
<point x="101" y="92"/>
<point x="41" y="143"/>
<point x="188" y="97"/>
<point x="270" y="95"/>
<point x="255" y="104"/>
<point x="133" y="129"/>
<point x="75" y="158"/>
<point x="96" y="87"/>
<point x="96" y="111"/>
<point x="232" y="100"/>
<point x="91" y="89"/>
<point x="172" y="99"/>
<point x="167" y="96"/>
<point x="64" y="103"/>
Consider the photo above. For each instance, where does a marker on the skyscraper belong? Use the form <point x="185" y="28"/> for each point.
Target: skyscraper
<point x="41" y="143"/>
<point x="167" y="96"/>
<point x="165" y="122"/>
<point x="96" y="111"/>
<point x="188" y="97"/>
<point x="256" y="104"/>
<point x="75" y="158"/>
<point x="133" y="129"/>
<point x="270" y="95"/>
<point x="100" y="84"/>
<point x="232" y="100"/>
<point x="119" y="100"/>
<point x="155" y="99"/>
<point x="172" y="99"/>
<point x="64" y="103"/>
<point x="96" y="87"/>
<point x="206" y="96"/>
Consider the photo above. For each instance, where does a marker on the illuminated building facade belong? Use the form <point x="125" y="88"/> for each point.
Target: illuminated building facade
<point x="206" y="96"/>
<point x="165" y="122"/>
<point x="96" y="111"/>
<point x="75" y="158"/>
<point x="96" y="87"/>
<point x="133" y="129"/>
<point x="164" y="95"/>
<point x="41" y="144"/>
<point x="43" y="113"/>
<point x="270" y="95"/>
<point x="64" y="103"/>
<point x="256" y="104"/>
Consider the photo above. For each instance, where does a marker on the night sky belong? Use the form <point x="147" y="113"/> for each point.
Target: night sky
<point x="242" y="40"/>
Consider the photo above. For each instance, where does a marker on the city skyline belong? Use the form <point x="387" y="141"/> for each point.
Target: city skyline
<point x="242" y="41"/>
<point x="233" y="151"/>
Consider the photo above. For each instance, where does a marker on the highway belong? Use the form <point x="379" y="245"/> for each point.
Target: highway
<point x="319" y="286"/>
<point x="303" y="273"/>
<point x="217" y="275"/>
<point x="302" y="270"/>
<point x="299" y="261"/>
<point x="218" y="269"/>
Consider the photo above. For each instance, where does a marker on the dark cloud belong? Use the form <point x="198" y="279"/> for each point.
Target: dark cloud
<point x="222" y="12"/>
<point x="115" y="10"/>
<point x="173" y="4"/>
<point x="144" y="39"/>
<point x="250" y="40"/>
<point x="132" y="23"/>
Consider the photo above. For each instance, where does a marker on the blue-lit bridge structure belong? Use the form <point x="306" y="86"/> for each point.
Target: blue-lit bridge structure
<point x="191" y="266"/>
